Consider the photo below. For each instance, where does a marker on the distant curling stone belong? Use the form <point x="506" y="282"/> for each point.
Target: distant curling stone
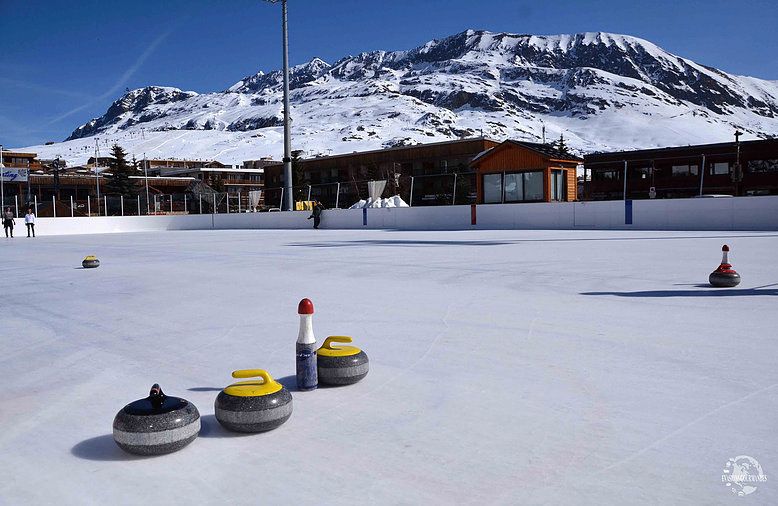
<point x="253" y="405"/>
<point x="156" y="425"/>
<point x="90" y="262"/>
<point x="341" y="365"/>
<point x="725" y="276"/>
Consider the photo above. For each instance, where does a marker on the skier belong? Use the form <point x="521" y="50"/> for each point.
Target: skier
<point x="316" y="214"/>
<point x="29" y="220"/>
<point x="8" y="221"/>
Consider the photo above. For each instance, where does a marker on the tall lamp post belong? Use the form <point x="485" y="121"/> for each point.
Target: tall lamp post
<point x="287" y="143"/>
<point x="2" y="188"/>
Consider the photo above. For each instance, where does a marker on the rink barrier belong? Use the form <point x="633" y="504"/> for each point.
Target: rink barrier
<point x="744" y="213"/>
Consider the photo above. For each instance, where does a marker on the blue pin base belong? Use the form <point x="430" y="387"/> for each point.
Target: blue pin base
<point x="307" y="376"/>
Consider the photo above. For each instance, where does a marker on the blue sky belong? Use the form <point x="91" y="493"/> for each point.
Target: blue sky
<point x="63" y="63"/>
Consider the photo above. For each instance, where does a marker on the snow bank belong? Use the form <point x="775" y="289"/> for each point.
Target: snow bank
<point x="395" y="201"/>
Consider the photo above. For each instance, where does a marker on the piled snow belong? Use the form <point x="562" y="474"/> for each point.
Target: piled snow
<point x="395" y="201"/>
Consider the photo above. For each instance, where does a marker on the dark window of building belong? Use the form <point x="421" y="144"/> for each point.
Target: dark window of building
<point x="606" y="175"/>
<point x="763" y="166"/>
<point x="640" y="173"/>
<point x="685" y="170"/>
<point x="719" y="168"/>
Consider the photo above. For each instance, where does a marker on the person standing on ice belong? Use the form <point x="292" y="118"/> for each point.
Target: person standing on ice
<point x="29" y="220"/>
<point x="8" y="221"/>
<point x="316" y="214"/>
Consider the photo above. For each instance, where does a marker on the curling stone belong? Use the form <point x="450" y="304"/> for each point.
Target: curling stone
<point x="253" y="406"/>
<point x="725" y="276"/>
<point x="90" y="262"/>
<point x="157" y="424"/>
<point x="341" y="365"/>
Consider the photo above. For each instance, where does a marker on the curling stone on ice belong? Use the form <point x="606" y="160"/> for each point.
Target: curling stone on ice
<point x="253" y="405"/>
<point x="725" y="276"/>
<point x="341" y="365"/>
<point x="90" y="262"/>
<point x="157" y="424"/>
<point x="306" y="348"/>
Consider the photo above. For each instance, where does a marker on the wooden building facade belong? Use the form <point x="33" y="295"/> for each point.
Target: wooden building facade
<point x="517" y="171"/>
<point x="730" y="168"/>
<point x="430" y="165"/>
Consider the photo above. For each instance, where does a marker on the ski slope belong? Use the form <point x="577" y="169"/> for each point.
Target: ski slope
<point x="507" y="367"/>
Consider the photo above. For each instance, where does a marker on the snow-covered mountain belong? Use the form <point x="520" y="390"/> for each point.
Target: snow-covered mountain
<point x="601" y="91"/>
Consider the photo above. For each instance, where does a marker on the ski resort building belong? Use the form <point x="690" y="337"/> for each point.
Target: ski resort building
<point x="518" y="171"/>
<point x="728" y="168"/>
<point x="422" y="174"/>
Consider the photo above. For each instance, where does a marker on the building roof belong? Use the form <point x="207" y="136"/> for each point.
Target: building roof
<point x="545" y="150"/>
<point x="396" y="148"/>
<point x="19" y="154"/>
<point x="698" y="148"/>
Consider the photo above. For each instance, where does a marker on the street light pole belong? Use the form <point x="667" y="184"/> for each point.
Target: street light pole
<point x="287" y="202"/>
<point x="146" y="169"/>
<point x="2" y="188"/>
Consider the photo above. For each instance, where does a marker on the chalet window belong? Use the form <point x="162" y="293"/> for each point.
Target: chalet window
<point x="719" y="168"/>
<point x="685" y="170"/>
<point x="533" y="186"/>
<point x="514" y="187"/>
<point x="557" y="185"/>
<point x="492" y="188"/>
<point x="763" y="166"/>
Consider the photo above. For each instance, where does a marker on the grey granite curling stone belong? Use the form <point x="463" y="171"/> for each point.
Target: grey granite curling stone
<point x="341" y="365"/>
<point x="156" y="425"/>
<point x="724" y="279"/>
<point x="90" y="262"/>
<point x="724" y="276"/>
<point x="253" y="405"/>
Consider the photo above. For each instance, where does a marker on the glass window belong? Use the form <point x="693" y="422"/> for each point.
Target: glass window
<point x="640" y="173"/>
<point x="763" y="166"/>
<point x="685" y="170"/>
<point x="557" y="185"/>
<point x="719" y="168"/>
<point x="514" y="188"/>
<point x="492" y="188"/>
<point x="605" y="175"/>
<point x="533" y="186"/>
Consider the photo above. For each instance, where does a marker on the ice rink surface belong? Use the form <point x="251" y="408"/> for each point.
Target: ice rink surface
<point x="507" y="367"/>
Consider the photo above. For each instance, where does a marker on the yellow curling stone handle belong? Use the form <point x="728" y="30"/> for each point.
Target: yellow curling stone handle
<point x="252" y="388"/>
<point x="91" y="257"/>
<point x="328" y="350"/>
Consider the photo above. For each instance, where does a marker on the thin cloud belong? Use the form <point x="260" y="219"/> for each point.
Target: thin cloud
<point x="122" y="80"/>
<point x="44" y="89"/>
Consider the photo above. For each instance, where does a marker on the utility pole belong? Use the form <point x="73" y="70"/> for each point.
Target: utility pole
<point x="287" y="201"/>
<point x="2" y="178"/>
<point x="146" y="170"/>
<point x="737" y="171"/>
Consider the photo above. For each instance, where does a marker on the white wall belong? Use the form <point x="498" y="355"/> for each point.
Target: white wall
<point x="745" y="213"/>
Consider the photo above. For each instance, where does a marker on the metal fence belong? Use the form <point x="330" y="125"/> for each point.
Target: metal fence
<point x="422" y="190"/>
<point x="115" y="205"/>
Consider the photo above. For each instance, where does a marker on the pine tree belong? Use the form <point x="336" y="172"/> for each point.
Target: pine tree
<point x="119" y="182"/>
<point x="561" y="146"/>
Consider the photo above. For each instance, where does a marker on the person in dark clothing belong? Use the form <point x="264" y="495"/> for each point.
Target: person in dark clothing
<point x="316" y="214"/>
<point x="8" y="222"/>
